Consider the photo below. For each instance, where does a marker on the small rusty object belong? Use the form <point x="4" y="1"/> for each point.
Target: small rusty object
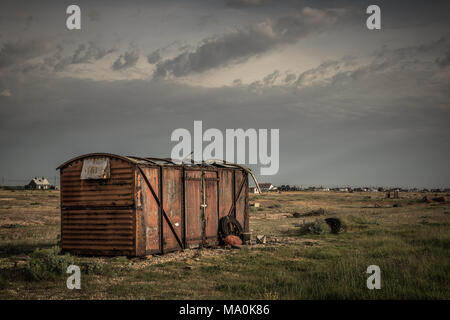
<point x="135" y="206"/>
<point x="232" y="240"/>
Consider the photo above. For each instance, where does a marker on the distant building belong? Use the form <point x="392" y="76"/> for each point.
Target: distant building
<point x="39" y="183"/>
<point x="253" y="190"/>
<point x="267" y="186"/>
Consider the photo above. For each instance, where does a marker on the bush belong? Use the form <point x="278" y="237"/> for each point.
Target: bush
<point x="316" y="227"/>
<point x="45" y="264"/>
<point x="93" y="268"/>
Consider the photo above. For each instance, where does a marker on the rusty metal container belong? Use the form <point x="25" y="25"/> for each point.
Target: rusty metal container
<point x="120" y="205"/>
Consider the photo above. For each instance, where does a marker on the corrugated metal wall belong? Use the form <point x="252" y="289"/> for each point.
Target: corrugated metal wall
<point x="98" y="215"/>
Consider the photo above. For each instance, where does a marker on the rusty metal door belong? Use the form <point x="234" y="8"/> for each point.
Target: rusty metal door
<point x="201" y="213"/>
<point x="193" y="213"/>
<point x="172" y="204"/>
<point x="169" y="215"/>
<point x="210" y="206"/>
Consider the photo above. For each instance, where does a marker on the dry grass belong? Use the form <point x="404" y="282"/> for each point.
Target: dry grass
<point x="410" y="243"/>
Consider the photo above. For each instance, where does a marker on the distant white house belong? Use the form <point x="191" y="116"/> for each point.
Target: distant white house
<point x="39" y="183"/>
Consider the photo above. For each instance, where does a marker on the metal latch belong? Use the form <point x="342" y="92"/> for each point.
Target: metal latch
<point x="204" y="205"/>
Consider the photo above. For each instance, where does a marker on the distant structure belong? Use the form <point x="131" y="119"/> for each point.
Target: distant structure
<point x="253" y="190"/>
<point x="267" y="186"/>
<point x="39" y="184"/>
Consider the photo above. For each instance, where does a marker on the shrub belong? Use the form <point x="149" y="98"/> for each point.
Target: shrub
<point x="334" y="224"/>
<point x="316" y="227"/>
<point x="45" y="264"/>
<point x="93" y="268"/>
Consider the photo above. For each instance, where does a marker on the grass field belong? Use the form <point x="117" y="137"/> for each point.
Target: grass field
<point x="409" y="242"/>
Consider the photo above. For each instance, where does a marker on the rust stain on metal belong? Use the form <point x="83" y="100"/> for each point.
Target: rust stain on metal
<point x="147" y="205"/>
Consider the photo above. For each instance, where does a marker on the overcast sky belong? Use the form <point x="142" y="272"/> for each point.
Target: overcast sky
<point x="354" y="106"/>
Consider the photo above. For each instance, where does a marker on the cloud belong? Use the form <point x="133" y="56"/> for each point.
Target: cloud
<point x="94" y="15"/>
<point x="237" y="82"/>
<point x="13" y="52"/>
<point x="243" y="43"/>
<point x="444" y="61"/>
<point x="325" y="71"/>
<point x="126" y="60"/>
<point x="271" y="78"/>
<point x="245" y="3"/>
<point x="6" y="93"/>
<point x="92" y="51"/>
<point x="422" y="57"/>
<point x="28" y="22"/>
<point x="328" y="134"/>
<point x="154" y="57"/>
<point x="84" y="53"/>
<point x="289" y="78"/>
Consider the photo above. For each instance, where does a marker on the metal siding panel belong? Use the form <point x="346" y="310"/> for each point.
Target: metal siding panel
<point x="225" y="191"/>
<point x="172" y="203"/>
<point x="240" y="199"/>
<point x="194" y="221"/>
<point x="212" y="216"/>
<point x="151" y="210"/>
<point x="97" y="216"/>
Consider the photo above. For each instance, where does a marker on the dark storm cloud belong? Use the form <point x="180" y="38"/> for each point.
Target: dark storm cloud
<point x="126" y="60"/>
<point x="13" y="52"/>
<point x="243" y="43"/>
<point x="375" y="128"/>
<point x="380" y="120"/>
